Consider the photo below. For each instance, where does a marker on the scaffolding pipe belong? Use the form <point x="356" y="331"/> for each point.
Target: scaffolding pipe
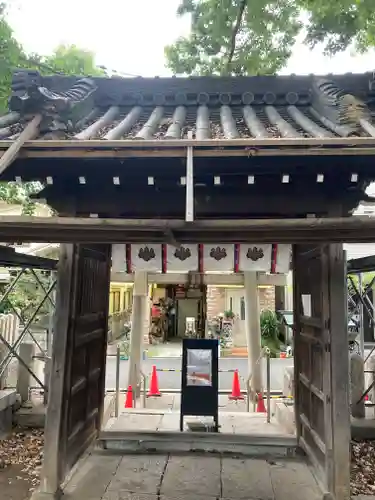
<point x="118" y="358"/>
<point x="361" y="318"/>
<point x="28" y="331"/>
<point x="268" y="382"/>
<point x="15" y="353"/>
<point x="9" y="290"/>
<point x="42" y="286"/>
<point x="11" y="287"/>
<point x="4" y="364"/>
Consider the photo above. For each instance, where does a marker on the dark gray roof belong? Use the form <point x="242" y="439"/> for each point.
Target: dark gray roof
<point x="225" y="108"/>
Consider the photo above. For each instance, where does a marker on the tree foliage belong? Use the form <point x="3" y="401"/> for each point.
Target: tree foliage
<point x="66" y="59"/>
<point x="71" y="60"/>
<point x="339" y="24"/>
<point x="243" y="37"/>
<point x="235" y="37"/>
<point x="27" y="295"/>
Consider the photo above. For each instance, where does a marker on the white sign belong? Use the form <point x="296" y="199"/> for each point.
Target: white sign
<point x="182" y="259"/>
<point x="218" y="258"/>
<point x="255" y="257"/>
<point x="146" y="257"/>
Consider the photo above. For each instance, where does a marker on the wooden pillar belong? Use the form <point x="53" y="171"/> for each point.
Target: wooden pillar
<point x="139" y="314"/>
<point x="340" y="413"/>
<point x="53" y="468"/>
<point x="252" y="325"/>
<point x="77" y="382"/>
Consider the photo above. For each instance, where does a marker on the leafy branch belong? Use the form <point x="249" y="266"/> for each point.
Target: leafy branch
<point x="66" y="59"/>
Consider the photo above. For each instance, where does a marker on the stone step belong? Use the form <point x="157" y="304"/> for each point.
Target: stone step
<point x="207" y="442"/>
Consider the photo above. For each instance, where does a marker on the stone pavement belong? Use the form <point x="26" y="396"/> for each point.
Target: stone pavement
<point x="159" y="421"/>
<point x="102" y="476"/>
<point x="162" y="414"/>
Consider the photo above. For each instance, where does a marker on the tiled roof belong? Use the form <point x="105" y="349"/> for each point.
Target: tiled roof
<point x="86" y="109"/>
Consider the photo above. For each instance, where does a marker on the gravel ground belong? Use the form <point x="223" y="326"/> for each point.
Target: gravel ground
<point x="362" y="476"/>
<point x="21" y="457"/>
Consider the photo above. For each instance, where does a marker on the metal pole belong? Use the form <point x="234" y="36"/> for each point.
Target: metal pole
<point x="361" y="325"/>
<point x="268" y="381"/>
<point x="36" y="277"/>
<point x="144" y="388"/>
<point x="6" y="362"/>
<point x="11" y="287"/>
<point x="117" y="380"/>
<point x="15" y="353"/>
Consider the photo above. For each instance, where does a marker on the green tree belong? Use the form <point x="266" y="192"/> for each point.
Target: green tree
<point x="66" y="59"/>
<point x="339" y="24"/>
<point x="235" y="37"/>
<point x="71" y="60"/>
<point x="10" y="57"/>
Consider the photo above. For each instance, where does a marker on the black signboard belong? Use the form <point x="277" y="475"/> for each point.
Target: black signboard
<point x="200" y="380"/>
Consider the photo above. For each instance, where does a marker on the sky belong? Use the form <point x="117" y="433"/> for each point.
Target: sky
<point x="130" y="35"/>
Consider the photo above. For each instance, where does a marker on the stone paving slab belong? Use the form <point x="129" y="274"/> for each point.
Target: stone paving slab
<point x="244" y="479"/>
<point x="136" y="422"/>
<point x="192" y="475"/>
<point x="139" y="473"/>
<point x="93" y="477"/>
<point x="161" y="477"/>
<point x="125" y="495"/>
<point x="166" y="401"/>
<point x="293" y="480"/>
<point x="168" y="420"/>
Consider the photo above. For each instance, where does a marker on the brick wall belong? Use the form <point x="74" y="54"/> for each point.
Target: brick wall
<point x="267" y="298"/>
<point x="216" y="300"/>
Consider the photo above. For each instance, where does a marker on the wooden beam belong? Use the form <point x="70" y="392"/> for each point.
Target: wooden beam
<point x="208" y="147"/>
<point x="30" y="131"/>
<point x="207" y="143"/>
<point x="248" y="152"/>
<point x="309" y="230"/>
<point x="221" y="279"/>
<point x="339" y="465"/>
<point x="207" y="203"/>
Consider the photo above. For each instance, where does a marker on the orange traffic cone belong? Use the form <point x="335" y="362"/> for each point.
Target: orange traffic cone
<point x="129" y="398"/>
<point x="154" y="384"/>
<point x="236" y="391"/>
<point x="260" y="406"/>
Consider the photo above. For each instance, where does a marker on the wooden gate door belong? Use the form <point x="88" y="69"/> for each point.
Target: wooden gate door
<point x="321" y="362"/>
<point x="78" y="362"/>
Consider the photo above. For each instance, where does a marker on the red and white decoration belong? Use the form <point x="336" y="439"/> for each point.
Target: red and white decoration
<point x="182" y="259"/>
<point x="155" y="257"/>
<point x="255" y="257"/>
<point x="218" y="258"/>
<point x="146" y="257"/>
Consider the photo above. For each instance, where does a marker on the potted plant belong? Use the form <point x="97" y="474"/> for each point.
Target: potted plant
<point x="229" y="315"/>
<point x="270" y="327"/>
